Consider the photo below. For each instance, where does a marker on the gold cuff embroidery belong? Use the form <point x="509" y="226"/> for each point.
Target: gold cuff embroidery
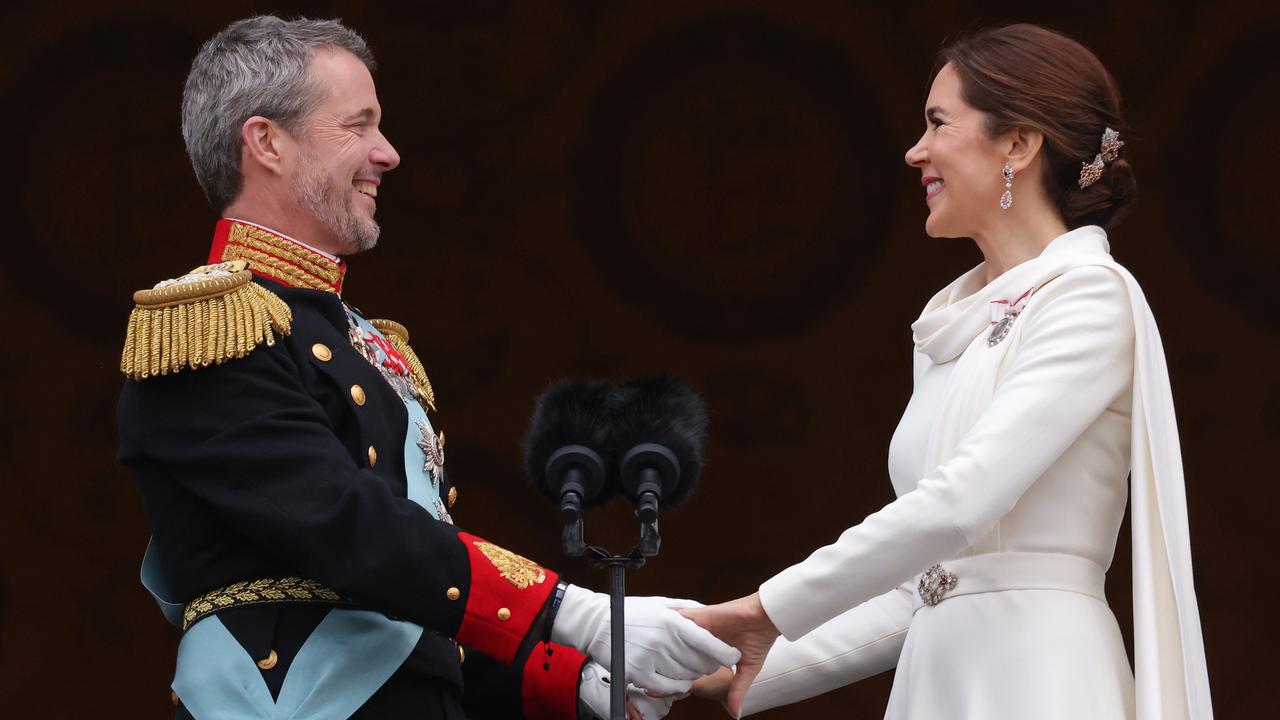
<point x="515" y="569"/>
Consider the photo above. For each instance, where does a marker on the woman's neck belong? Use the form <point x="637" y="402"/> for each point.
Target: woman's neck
<point x="1017" y="240"/>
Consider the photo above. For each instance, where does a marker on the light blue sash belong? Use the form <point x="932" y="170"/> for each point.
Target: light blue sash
<point x="342" y="664"/>
<point x="156" y="584"/>
<point x="423" y="487"/>
<point x="346" y="659"/>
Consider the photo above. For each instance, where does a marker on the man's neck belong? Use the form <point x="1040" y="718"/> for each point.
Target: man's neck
<point x="286" y="221"/>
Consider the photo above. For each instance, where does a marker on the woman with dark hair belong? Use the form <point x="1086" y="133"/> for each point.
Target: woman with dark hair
<point x="1039" y="386"/>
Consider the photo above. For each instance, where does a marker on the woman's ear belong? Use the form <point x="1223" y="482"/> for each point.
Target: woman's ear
<point x="1022" y="145"/>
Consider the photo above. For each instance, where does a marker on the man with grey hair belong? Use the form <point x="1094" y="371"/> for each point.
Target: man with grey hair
<point x="293" y="480"/>
<point x="261" y="68"/>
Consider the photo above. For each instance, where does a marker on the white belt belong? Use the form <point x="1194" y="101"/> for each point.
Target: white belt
<point x="994" y="572"/>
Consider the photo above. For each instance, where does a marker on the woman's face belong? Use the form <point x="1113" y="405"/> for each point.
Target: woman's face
<point x="960" y="165"/>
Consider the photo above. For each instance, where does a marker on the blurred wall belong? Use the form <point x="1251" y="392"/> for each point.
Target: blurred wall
<point x="711" y="188"/>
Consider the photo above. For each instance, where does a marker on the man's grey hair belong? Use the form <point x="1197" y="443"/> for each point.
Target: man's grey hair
<point x="256" y="66"/>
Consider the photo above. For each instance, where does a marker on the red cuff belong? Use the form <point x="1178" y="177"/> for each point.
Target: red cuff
<point x="550" y="687"/>
<point x="507" y="592"/>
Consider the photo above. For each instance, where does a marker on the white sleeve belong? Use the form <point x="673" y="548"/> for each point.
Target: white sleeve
<point x="857" y="644"/>
<point x="1074" y="359"/>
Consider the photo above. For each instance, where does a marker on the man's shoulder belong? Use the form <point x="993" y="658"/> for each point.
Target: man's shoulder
<point x="208" y="316"/>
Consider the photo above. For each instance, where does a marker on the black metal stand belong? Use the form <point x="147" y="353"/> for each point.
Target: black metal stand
<point x="575" y="546"/>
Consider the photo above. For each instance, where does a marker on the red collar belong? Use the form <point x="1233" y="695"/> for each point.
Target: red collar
<point x="276" y="257"/>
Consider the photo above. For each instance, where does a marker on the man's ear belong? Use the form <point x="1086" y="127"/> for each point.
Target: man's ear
<point x="1022" y="145"/>
<point x="264" y="143"/>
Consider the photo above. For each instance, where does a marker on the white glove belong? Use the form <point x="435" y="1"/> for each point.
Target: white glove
<point x="593" y="692"/>
<point x="665" y="651"/>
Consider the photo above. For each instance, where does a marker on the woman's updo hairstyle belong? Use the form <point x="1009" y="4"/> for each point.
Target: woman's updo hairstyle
<point x="1029" y="76"/>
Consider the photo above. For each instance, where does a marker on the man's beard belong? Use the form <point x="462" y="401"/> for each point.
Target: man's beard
<point x="332" y="204"/>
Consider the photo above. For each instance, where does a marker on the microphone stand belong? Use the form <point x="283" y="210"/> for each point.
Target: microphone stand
<point x="575" y="546"/>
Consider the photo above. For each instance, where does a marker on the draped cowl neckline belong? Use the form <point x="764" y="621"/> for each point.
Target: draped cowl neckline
<point x="958" y="313"/>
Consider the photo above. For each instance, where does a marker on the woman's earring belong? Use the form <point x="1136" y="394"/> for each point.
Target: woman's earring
<point x="1006" y="200"/>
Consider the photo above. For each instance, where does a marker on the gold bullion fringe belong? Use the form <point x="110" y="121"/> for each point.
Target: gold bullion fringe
<point x="257" y="592"/>
<point x="398" y="336"/>
<point x="195" y="330"/>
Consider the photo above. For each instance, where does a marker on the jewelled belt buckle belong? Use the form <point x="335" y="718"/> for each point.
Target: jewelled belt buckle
<point x="935" y="583"/>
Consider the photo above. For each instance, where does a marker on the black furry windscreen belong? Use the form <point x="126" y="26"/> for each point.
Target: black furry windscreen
<point x="571" y="413"/>
<point x="664" y="410"/>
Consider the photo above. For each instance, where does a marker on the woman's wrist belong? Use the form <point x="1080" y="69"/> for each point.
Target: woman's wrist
<point x="754" y="610"/>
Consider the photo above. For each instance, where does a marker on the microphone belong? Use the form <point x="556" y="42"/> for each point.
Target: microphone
<point x="568" y="452"/>
<point x="660" y="431"/>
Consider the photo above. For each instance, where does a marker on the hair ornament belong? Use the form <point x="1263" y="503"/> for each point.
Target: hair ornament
<point x="1091" y="171"/>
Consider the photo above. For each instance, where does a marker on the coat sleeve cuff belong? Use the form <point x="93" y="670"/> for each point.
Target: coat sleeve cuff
<point x="778" y="596"/>
<point x="550" y="687"/>
<point x="507" y="592"/>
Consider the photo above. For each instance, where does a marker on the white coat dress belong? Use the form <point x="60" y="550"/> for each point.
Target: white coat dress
<point x="1010" y="464"/>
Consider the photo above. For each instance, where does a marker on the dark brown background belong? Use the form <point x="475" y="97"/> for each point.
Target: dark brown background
<point x="710" y="188"/>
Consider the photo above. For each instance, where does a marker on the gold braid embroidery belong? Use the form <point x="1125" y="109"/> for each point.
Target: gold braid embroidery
<point x="275" y="266"/>
<point x="515" y="569"/>
<point x="257" y="592"/>
<point x="309" y="261"/>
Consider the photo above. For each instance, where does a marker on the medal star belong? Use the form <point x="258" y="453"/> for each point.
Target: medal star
<point x="432" y="448"/>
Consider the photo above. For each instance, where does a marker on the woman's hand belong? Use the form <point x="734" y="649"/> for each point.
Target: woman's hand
<point x="714" y="686"/>
<point x="743" y="624"/>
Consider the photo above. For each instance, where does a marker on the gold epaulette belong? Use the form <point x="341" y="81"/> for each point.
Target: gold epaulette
<point x="206" y="317"/>
<point x="398" y="336"/>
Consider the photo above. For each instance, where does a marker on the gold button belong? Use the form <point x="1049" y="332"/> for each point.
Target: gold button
<point x="269" y="661"/>
<point x="504" y="614"/>
<point x="453" y="593"/>
<point x="453" y="496"/>
<point x="462" y="654"/>
<point x="173" y="695"/>
<point x="373" y="456"/>
<point x="322" y="352"/>
<point x="357" y="394"/>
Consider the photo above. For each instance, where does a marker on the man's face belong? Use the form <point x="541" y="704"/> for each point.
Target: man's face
<point x="343" y="154"/>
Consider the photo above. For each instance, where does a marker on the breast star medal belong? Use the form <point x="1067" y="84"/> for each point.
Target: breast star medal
<point x="432" y="446"/>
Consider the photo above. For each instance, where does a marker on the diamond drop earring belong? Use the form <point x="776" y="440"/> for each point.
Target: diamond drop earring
<point x="1006" y="200"/>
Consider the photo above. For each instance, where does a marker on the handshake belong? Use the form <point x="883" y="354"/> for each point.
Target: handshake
<point x="587" y="440"/>
<point x="673" y="648"/>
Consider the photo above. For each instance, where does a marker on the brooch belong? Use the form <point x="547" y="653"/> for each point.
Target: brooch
<point x="935" y="583"/>
<point x="1003" y="313"/>
<point x="1001" y="330"/>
